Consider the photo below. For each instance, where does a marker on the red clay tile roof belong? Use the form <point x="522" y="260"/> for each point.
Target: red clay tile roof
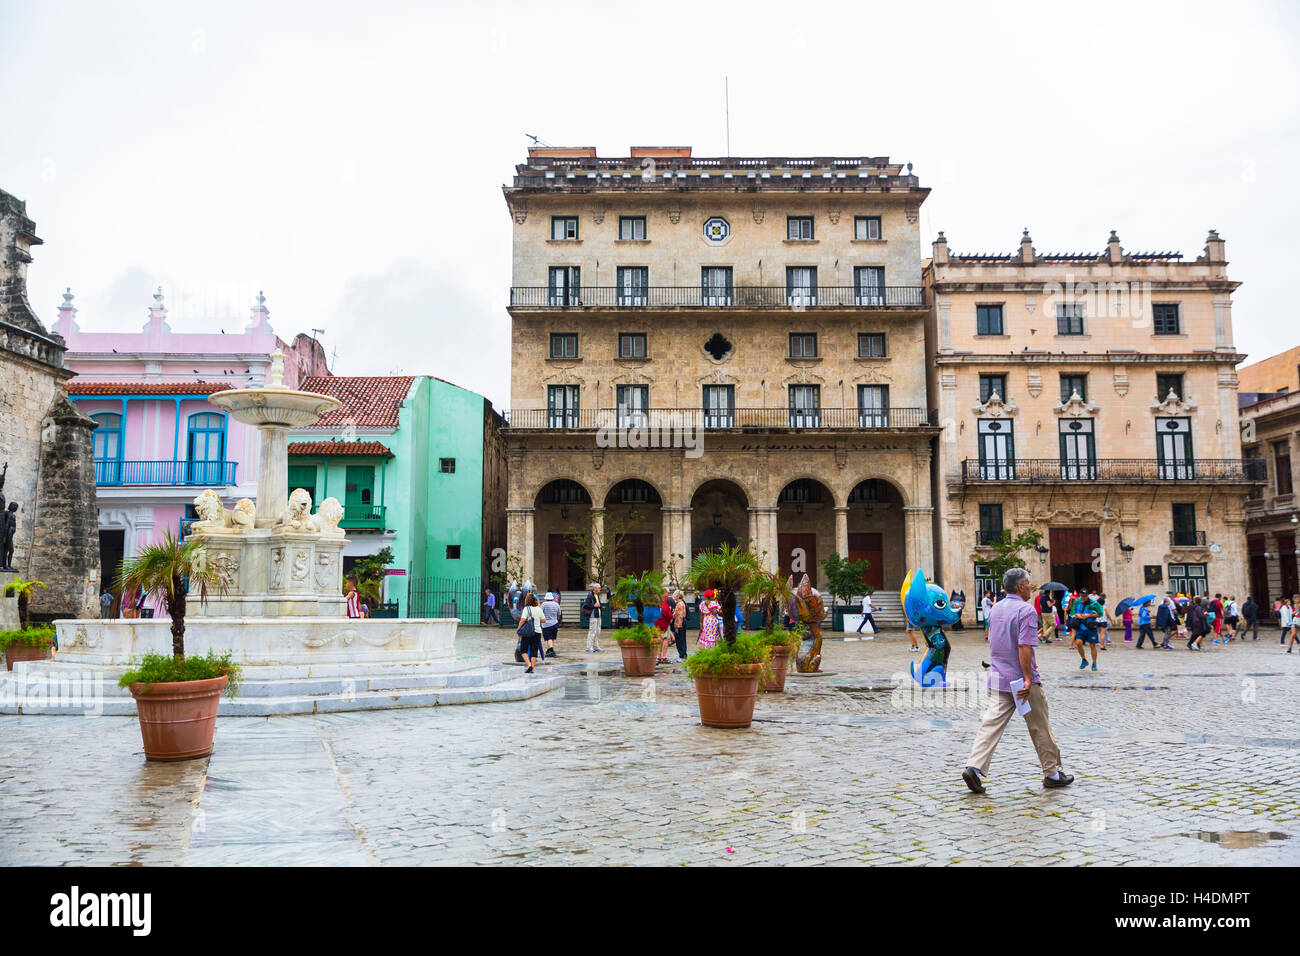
<point x="339" y="448"/>
<point x="76" y="386"/>
<point x="368" y="400"/>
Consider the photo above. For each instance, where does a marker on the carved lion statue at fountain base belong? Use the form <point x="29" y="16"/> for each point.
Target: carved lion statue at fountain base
<point x="216" y="518"/>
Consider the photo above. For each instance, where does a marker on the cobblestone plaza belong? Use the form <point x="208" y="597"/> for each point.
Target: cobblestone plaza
<point x="1181" y="759"/>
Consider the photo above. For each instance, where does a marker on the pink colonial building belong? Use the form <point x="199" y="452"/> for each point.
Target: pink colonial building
<point x="159" y="441"/>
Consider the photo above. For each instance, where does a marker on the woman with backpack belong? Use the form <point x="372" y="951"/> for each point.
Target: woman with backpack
<point x="530" y="631"/>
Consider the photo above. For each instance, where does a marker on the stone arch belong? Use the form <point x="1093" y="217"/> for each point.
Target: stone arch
<point x="542" y="484"/>
<point x="613" y="483"/>
<point x="877" y="476"/>
<point x="837" y="495"/>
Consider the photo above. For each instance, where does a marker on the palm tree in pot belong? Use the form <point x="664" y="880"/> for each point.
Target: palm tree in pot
<point x="639" y="643"/>
<point x="177" y="696"/>
<point x="727" y="674"/>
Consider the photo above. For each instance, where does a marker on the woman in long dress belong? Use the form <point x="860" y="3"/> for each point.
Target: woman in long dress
<point x="711" y="620"/>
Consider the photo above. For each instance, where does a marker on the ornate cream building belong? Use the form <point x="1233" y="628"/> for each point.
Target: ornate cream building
<point x="732" y="349"/>
<point x="1092" y="397"/>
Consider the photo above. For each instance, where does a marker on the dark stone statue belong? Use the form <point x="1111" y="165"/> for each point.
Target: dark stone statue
<point x="8" y="528"/>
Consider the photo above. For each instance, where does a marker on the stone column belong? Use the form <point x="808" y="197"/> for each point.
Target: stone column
<point x="753" y="530"/>
<point x="686" y="534"/>
<point x="842" y="530"/>
<point x="765" y="526"/>
<point x="530" y="546"/>
<point x="918" y="544"/>
<point x="667" y="535"/>
<point x="597" y="538"/>
<point x="272" y="474"/>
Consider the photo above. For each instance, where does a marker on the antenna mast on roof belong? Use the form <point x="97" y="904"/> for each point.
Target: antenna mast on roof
<point x="537" y="141"/>
<point x="726" y="106"/>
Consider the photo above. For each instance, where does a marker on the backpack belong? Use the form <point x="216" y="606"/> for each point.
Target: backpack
<point x="588" y="604"/>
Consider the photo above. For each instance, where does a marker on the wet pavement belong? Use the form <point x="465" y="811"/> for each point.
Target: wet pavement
<point x="1181" y="758"/>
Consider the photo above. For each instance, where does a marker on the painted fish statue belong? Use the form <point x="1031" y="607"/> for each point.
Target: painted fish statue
<point x="926" y="607"/>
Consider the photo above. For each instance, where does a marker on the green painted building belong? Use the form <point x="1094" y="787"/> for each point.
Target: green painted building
<point x="419" y="467"/>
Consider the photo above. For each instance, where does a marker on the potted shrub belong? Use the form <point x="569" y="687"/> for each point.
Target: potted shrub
<point x="176" y="697"/>
<point x="844" y="578"/>
<point x="640" y="643"/>
<point x="770" y="592"/>
<point x="727" y="674"/>
<point x="26" y="644"/>
<point x="23" y="590"/>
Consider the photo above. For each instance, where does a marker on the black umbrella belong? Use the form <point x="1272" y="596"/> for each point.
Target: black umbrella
<point x="1053" y="586"/>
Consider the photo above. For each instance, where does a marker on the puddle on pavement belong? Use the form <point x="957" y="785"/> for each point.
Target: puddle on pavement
<point x="1112" y="687"/>
<point x="1233" y="839"/>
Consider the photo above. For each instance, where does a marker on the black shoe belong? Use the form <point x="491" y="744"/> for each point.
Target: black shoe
<point x="1063" y="781"/>
<point x="550" y="652"/>
<point x="972" y="778"/>
<point x="528" y="671"/>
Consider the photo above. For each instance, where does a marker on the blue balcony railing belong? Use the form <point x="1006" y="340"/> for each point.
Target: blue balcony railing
<point x="208" y="473"/>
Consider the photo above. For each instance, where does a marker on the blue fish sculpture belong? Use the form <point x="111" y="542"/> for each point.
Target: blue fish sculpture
<point x="926" y="607"/>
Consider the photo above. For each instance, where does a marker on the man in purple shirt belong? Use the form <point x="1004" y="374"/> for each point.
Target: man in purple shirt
<point x="1013" y="635"/>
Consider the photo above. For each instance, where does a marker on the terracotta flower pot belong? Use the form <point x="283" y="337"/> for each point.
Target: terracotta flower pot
<point x="780" y="661"/>
<point x="25" y="652"/>
<point x="177" y="719"/>
<point x="728" y="701"/>
<point x="638" y="659"/>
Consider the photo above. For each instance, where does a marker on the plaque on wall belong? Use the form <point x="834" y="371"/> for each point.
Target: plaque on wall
<point x="1153" y="573"/>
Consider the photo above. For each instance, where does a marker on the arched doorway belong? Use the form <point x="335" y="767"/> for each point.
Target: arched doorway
<point x="877" y="532"/>
<point x="562" y="510"/>
<point x="634" y="526"/>
<point x="805" y="528"/>
<point x="719" y="515"/>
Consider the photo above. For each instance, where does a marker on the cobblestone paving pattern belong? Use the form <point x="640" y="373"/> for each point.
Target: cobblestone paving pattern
<point x="1180" y="757"/>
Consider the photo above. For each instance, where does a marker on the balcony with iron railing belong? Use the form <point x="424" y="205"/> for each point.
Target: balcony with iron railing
<point x="359" y="517"/>
<point x="112" y="472"/>
<point x="734" y="297"/>
<point x="1112" y="470"/>
<point x="739" y="419"/>
<point x="1182" y="538"/>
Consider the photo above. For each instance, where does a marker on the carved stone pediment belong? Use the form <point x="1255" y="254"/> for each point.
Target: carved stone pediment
<point x="718" y="376"/>
<point x="1075" y="407"/>
<point x="1173" y="405"/>
<point x="872" y="375"/>
<point x="995" y="407"/>
<point x="802" y="376"/>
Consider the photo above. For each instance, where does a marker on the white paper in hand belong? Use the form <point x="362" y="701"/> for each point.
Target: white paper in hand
<point x="1022" y="706"/>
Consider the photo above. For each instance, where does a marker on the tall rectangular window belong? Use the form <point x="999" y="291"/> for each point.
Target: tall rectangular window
<point x="805" y="406"/>
<point x="871" y="345"/>
<point x="803" y="345"/>
<point x="633" y="403"/>
<point x="719" y="406"/>
<point x="799" y="227"/>
<point x="562" y="406"/>
<point x="1282" y="467"/>
<point x="866" y="227"/>
<point x="564" y="345"/>
<point x="1078" y="449"/>
<point x="988" y="320"/>
<point x="1184" y="517"/>
<point x="633" y="282"/>
<point x="1069" y="319"/>
<point x="564" y="227"/>
<point x="801" y="285"/>
<point x="869" y="285"/>
<point x="1165" y="319"/>
<point x="631" y="345"/>
<point x="1071" y="384"/>
<point x="997" y="448"/>
<point x="564" y="283"/>
<point x="631" y="227"/>
<point x="1169" y="383"/>
<point x="873" y="406"/>
<point x="1174" y="449"/>
<point x="990" y="384"/>
<point x="990" y="524"/>
<point x="715" y="285"/>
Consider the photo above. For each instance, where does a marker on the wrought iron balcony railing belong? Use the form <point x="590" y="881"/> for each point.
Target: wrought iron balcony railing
<point x="986" y="539"/>
<point x="1118" y="470"/>
<point x="734" y="297"/>
<point x="595" y="419"/>
<point x="363" y="516"/>
<point x="210" y="473"/>
<point x="1186" y="539"/>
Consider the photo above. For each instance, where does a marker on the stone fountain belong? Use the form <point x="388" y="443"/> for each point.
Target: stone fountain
<point x="281" y="609"/>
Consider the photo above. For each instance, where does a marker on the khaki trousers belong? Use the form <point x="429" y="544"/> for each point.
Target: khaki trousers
<point x="1000" y="710"/>
<point x="593" y="630"/>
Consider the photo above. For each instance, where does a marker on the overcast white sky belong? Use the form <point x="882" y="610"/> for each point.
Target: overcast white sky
<point x="348" y="158"/>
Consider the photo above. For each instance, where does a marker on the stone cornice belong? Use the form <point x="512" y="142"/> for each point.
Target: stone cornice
<point x="1088" y="358"/>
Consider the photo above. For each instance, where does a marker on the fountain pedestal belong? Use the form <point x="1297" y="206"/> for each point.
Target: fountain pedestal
<point x="275" y="574"/>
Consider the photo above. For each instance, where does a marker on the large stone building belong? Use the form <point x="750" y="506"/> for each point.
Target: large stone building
<point x="732" y="350"/>
<point x="1270" y="418"/>
<point x="1092" y="397"/>
<point x="45" y="443"/>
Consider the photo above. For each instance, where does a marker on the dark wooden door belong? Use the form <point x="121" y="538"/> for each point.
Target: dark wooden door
<point x="637" y="555"/>
<point x="1074" y="545"/>
<point x="562" y="572"/>
<point x="869" y="545"/>
<point x="788" y="544"/>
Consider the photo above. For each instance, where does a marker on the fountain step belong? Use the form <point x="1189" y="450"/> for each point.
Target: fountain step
<point x="29" y="690"/>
